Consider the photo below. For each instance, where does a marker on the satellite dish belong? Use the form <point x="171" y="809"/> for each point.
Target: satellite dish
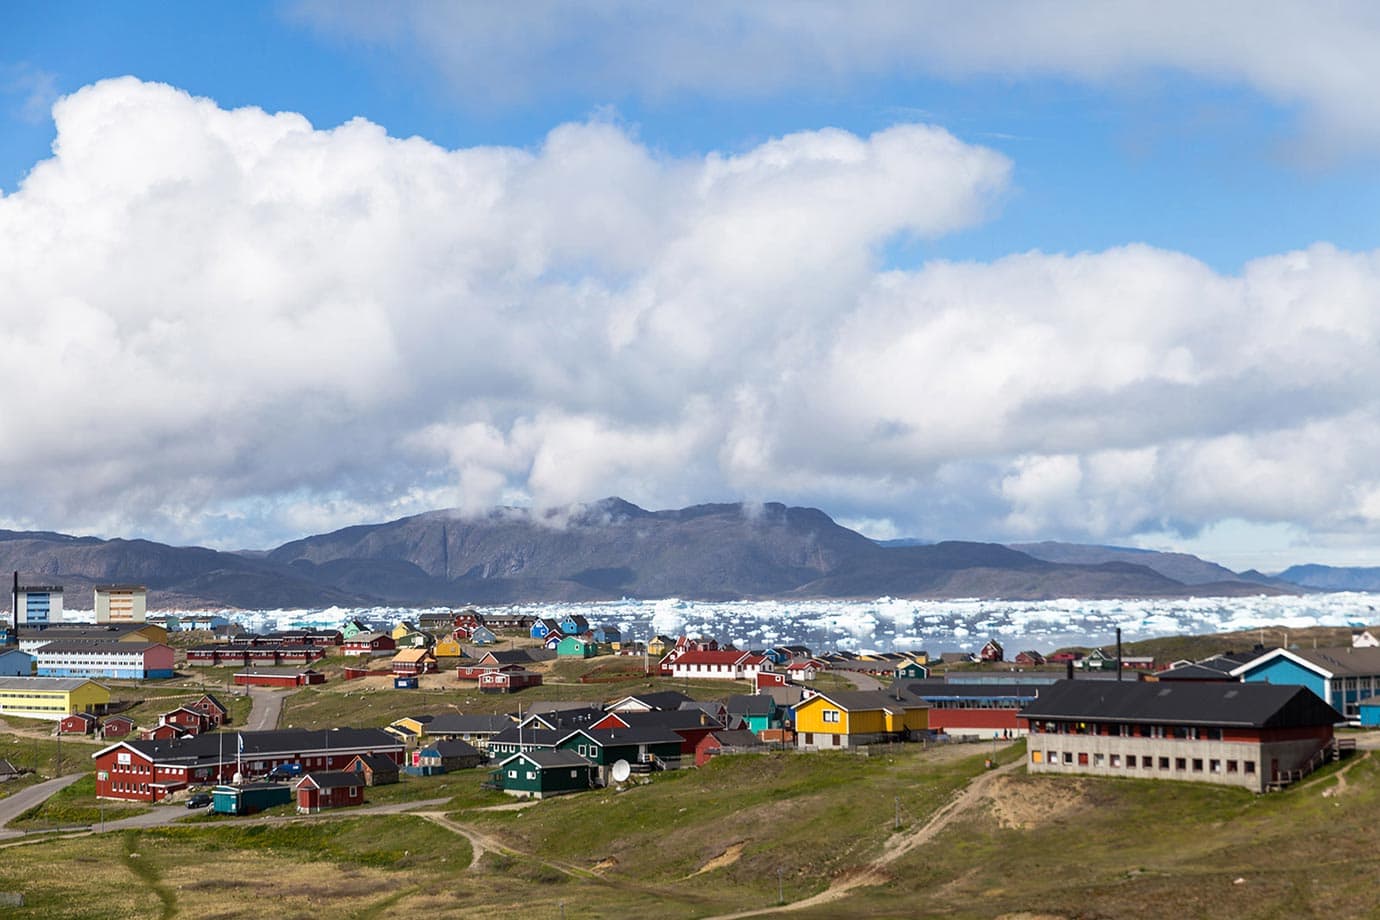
<point x="621" y="771"/>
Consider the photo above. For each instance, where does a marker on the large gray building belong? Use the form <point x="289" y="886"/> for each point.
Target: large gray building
<point x="1248" y="735"/>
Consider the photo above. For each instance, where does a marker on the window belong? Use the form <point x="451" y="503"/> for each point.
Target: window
<point x="1231" y="766"/>
<point x="1115" y="760"/>
<point x="1248" y="766"/>
<point x="1214" y="766"/>
<point x="573" y="774"/>
<point x="1197" y="765"/>
<point x="1068" y="757"/>
<point x="1099" y="760"/>
<point x="831" y="715"/>
<point x="512" y="774"/>
<point x="1180" y="763"/>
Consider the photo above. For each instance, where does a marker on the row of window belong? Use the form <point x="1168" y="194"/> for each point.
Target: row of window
<point x="1128" y="730"/>
<point x="1143" y="762"/>
<point x="130" y="787"/>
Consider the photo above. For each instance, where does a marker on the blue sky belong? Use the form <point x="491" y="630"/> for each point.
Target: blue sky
<point x="1245" y="170"/>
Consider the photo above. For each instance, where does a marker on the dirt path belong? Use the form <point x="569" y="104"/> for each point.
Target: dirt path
<point x="873" y="873"/>
<point x="483" y="843"/>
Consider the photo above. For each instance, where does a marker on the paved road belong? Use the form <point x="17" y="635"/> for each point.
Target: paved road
<point x="267" y="709"/>
<point x="13" y="806"/>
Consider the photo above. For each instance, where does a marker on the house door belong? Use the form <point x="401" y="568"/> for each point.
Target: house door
<point x="809" y="738"/>
<point x="1274" y="768"/>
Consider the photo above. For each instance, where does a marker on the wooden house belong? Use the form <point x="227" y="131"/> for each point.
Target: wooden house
<point x="416" y="640"/>
<point x="279" y="677"/>
<point x="659" y="645"/>
<point x="77" y="723"/>
<point x="116" y="726"/>
<point x="414" y="661"/>
<point x="540" y="774"/>
<point x="370" y="643"/>
<point x="543" y="627"/>
<point x="190" y="720"/>
<point x="508" y="680"/>
<point x="650" y="748"/>
<point x="483" y="635"/>
<point x="444" y="757"/>
<point x="573" y="647"/>
<point x="216" y="712"/>
<point x="1030" y="658"/>
<point x="352" y="628"/>
<point x="724" y="741"/>
<point x="377" y="769"/>
<point x="448" y="647"/>
<point x="329" y="789"/>
<point x="992" y="651"/>
<point x="911" y="670"/>
<point x="403" y="629"/>
<point x="849" y="718"/>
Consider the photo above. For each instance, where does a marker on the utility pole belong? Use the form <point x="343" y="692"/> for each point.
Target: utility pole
<point x="896" y="825"/>
<point x="780" y="885"/>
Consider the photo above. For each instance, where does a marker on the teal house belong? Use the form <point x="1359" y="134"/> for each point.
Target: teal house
<point x="759" y="711"/>
<point x="539" y="774"/>
<point x="1342" y="677"/>
<point x="250" y="798"/>
<point x="575" y="647"/>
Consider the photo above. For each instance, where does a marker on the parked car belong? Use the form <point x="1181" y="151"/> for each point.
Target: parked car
<point x="285" y="771"/>
<point x="198" y="800"/>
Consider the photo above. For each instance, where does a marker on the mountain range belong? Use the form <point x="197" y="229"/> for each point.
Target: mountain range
<point x="612" y="549"/>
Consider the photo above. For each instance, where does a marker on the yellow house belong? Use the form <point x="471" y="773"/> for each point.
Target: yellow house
<point x="408" y="728"/>
<point x="51" y="697"/>
<point x="660" y="645"/>
<point x="448" y="647"/>
<point x="403" y="629"/>
<point x="847" y="718"/>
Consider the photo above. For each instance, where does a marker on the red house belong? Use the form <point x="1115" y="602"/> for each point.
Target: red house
<point x="370" y="643"/>
<point x="992" y="651"/>
<point x="78" y="723"/>
<point x="329" y="789"/>
<point x="770" y="679"/>
<point x="280" y="677"/>
<point x="117" y="726"/>
<point x="507" y="680"/>
<point x="214" y="710"/>
<point x="187" y="719"/>
<point x="164" y="732"/>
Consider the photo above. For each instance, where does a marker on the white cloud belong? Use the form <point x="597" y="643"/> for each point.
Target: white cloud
<point x="1323" y="59"/>
<point x="232" y="327"/>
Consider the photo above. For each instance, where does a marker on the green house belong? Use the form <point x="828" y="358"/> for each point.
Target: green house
<point x="604" y="747"/>
<point x="912" y="670"/>
<point x="538" y="774"/>
<point x="575" y="647"/>
<point x="758" y="711"/>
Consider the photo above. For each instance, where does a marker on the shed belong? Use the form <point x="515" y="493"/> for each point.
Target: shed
<point x="377" y="769"/>
<point x="78" y="723"/>
<point x="405" y="681"/>
<point x="249" y="798"/>
<point x="329" y="789"/>
<point x="1369" y="711"/>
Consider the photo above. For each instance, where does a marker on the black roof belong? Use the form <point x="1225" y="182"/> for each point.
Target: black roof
<point x="1245" y="705"/>
<point x="334" y="779"/>
<point x="455" y="748"/>
<point x="379" y="763"/>
<point x="567" y="718"/>
<point x="454" y="723"/>
<point x="220" y="747"/>
<point x="541" y="737"/>
<point x="757" y="704"/>
<point x="614" y="737"/>
<point x="1195" y="672"/>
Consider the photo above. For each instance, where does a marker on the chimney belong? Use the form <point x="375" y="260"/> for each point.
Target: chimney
<point x="1118" y="653"/>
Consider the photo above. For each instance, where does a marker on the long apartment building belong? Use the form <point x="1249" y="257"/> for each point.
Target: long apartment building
<point x="128" y="660"/>
<point x="149" y="771"/>
<point x="50" y="697"/>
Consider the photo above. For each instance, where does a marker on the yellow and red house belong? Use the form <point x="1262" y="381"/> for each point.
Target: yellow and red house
<point x="848" y="718"/>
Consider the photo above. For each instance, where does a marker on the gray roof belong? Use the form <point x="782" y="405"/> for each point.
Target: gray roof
<point x="757" y="704"/>
<point x="1345" y="661"/>
<point x="738" y="739"/>
<point x="1247" y="705"/>
<point x="1196" y="672"/>
<point x="454" y="723"/>
<point x="333" y="779"/>
<point x="864" y="700"/>
<point x="379" y="763"/>
<point x="553" y="759"/>
<point x="455" y="748"/>
<point x="540" y="737"/>
<point x="669" y="719"/>
<point x="661" y="699"/>
<point x="934" y="690"/>
<point x="42" y="683"/>
<point x="96" y="646"/>
<point x="220" y="747"/>
<point x="614" y="737"/>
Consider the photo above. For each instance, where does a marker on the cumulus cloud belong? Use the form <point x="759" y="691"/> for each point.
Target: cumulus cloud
<point x="1321" y="59"/>
<point x="234" y="327"/>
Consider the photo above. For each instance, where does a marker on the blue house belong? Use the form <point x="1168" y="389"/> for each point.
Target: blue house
<point x="607" y="635"/>
<point x="1342" y="677"/>
<point x="574" y="624"/>
<point x="14" y="663"/>
<point x="482" y="635"/>
<point x="543" y="627"/>
<point x="1370" y="712"/>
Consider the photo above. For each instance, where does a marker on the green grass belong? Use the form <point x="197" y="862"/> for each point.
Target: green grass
<point x="75" y="805"/>
<point x="42" y="755"/>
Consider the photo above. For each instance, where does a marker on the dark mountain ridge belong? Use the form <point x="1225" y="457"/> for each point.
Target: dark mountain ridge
<point x="599" y="551"/>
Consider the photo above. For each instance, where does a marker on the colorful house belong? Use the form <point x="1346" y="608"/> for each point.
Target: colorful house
<point x="573" y="647"/>
<point x="368" y="643"/>
<point x="992" y="651"/>
<point x="414" y="661"/>
<point x="482" y="635"/>
<point x="849" y="718"/>
<point x="758" y="711"/>
<point x="650" y="748"/>
<point x="415" y="640"/>
<point x="14" y="663"/>
<point x="659" y="645"/>
<point x="329" y="789"/>
<point x="724" y="741"/>
<point x="448" y="647"/>
<point x="377" y="769"/>
<point x="1341" y="677"/>
<point x="249" y="798"/>
<point x="403" y="628"/>
<point x="543" y="627"/>
<point x="540" y="774"/>
<point x="911" y="670"/>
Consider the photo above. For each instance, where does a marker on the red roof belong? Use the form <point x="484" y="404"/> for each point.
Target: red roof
<point x="729" y="657"/>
